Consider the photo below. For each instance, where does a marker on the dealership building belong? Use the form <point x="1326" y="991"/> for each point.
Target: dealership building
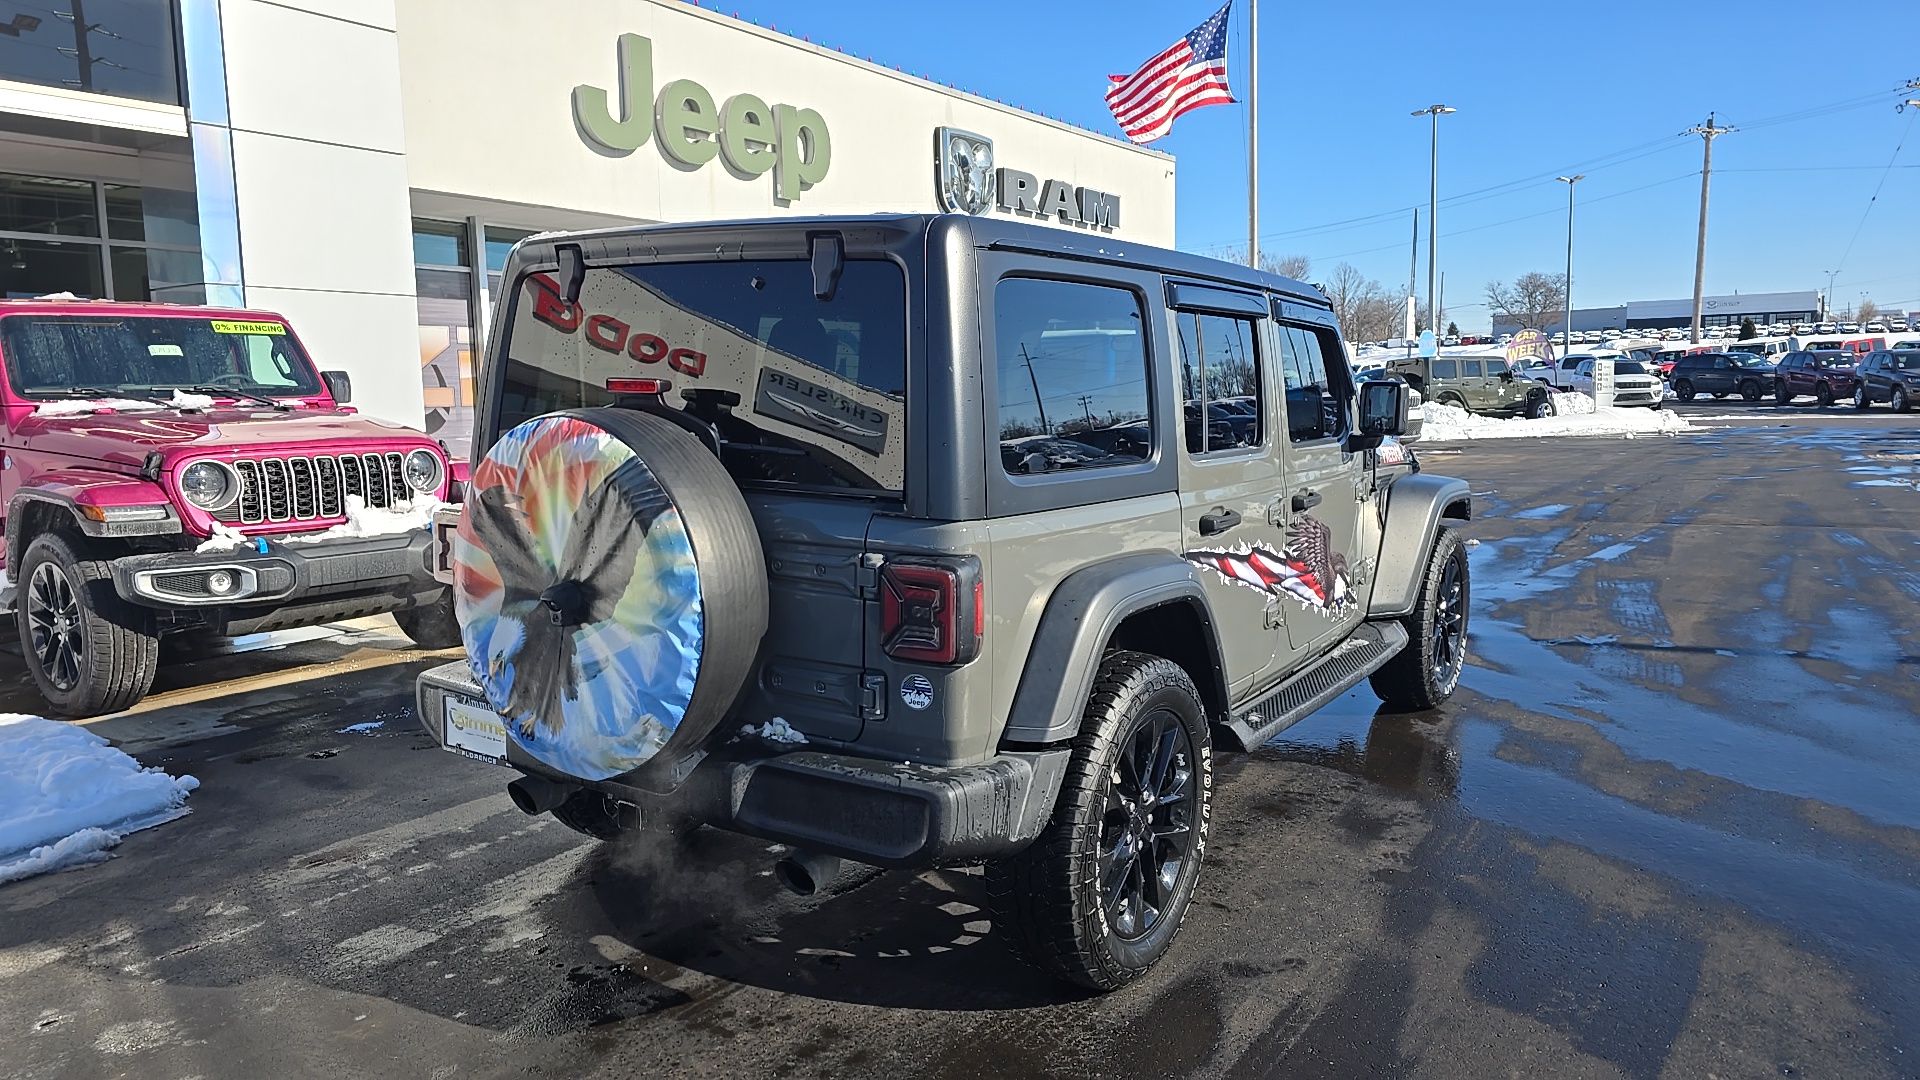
<point x="1778" y="308"/>
<point x="364" y="166"/>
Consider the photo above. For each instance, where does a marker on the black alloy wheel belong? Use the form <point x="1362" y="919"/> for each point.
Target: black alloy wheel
<point x="53" y="625"/>
<point x="1098" y="896"/>
<point x="1823" y="394"/>
<point x="1683" y="389"/>
<point x="1899" y="400"/>
<point x="1426" y="672"/>
<point x="1447" y="647"/>
<point x="1780" y="394"/>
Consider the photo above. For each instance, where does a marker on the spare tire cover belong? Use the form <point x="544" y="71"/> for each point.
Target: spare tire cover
<point x="610" y="589"/>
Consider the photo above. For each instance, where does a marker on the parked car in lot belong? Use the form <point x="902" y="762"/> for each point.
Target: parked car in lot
<point x="1720" y="374"/>
<point x="173" y="468"/>
<point x="1479" y="384"/>
<point x="795" y="590"/>
<point x="1827" y="375"/>
<point x="1633" y="384"/>
<point x="1850" y="344"/>
<point x="1892" y="376"/>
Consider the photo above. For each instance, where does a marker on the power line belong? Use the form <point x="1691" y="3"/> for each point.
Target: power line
<point x="1876" y="192"/>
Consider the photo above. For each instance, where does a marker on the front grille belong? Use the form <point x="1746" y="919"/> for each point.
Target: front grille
<point x="277" y="489"/>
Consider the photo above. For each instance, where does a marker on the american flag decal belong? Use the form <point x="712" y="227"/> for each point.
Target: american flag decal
<point x="1308" y="570"/>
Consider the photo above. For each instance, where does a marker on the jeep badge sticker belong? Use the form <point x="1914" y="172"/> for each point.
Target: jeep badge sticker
<point x="916" y="692"/>
<point x="1308" y="569"/>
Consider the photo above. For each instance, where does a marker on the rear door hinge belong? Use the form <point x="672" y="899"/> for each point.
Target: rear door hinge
<point x="868" y="573"/>
<point x="873" y="696"/>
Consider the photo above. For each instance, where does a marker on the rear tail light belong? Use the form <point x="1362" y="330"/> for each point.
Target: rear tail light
<point x="932" y="610"/>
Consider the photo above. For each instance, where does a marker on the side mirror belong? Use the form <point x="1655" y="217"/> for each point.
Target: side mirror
<point x="1383" y="412"/>
<point x="339" y="384"/>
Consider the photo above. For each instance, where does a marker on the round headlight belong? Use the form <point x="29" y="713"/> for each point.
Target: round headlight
<point x="423" y="471"/>
<point x="209" y="485"/>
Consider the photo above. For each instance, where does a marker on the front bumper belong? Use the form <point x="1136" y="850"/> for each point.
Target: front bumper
<point x="883" y="813"/>
<point x="285" y="574"/>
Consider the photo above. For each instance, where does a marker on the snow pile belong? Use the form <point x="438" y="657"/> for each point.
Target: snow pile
<point x="776" y="730"/>
<point x="1577" y="416"/>
<point x="66" y="796"/>
<point x="364" y="521"/>
<point x="225" y="538"/>
<point x="78" y="407"/>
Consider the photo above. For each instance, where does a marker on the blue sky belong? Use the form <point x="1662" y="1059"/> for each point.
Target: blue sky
<point x="1542" y="89"/>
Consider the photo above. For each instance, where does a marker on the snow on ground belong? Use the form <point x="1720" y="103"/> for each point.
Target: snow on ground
<point x="66" y="796"/>
<point x="1576" y="416"/>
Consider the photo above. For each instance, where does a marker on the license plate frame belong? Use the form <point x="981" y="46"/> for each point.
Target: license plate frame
<point x="474" y="730"/>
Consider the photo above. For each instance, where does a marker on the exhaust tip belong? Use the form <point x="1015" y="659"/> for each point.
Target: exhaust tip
<point x="537" y="795"/>
<point x="805" y="873"/>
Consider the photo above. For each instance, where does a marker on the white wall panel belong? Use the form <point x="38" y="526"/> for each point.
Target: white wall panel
<point x="310" y="77"/>
<point x="378" y="13"/>
<point x="315" y="216"/>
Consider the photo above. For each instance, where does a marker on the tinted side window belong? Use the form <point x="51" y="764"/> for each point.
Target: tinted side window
<point x="1471" y="368"/>
<point x="1445" y="369"/>
<point x="1317" y="394"/>
<point x="1219" y="359"/>
<point x="1073" y="376"/>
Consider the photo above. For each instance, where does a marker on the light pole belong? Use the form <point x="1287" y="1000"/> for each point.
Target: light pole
<point x="1433" y="207"/>
<point x="1826" y="302"/>
<point x="1567" y="329"/>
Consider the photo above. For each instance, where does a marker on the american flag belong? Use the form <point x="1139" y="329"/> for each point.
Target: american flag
<point x="1187" y="76"/>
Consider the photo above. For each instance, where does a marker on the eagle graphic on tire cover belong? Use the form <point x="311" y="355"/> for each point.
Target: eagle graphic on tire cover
<point x="559" y="501"/>
<point x="1308" y="569"/>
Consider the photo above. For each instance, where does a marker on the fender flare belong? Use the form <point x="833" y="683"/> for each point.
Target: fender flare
<point x="1415" y="507"/>
<point x="1081" y="616"/>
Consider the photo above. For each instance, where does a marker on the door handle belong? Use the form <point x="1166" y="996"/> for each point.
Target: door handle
<point x="1305" y="500"/>
<point x="1218" y="520"/>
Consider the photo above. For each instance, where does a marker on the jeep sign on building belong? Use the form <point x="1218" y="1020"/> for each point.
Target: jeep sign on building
<point x="370" y="181"/>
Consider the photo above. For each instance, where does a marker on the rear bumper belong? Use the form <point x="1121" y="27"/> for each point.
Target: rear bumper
<point x="286" y="574"/>
<point x="883" y="813"/>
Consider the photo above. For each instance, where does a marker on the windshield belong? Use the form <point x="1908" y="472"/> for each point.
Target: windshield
<point x="802" y="391"/>
<point x="1749" y="360"/>
<point x="1904" y="361"/>
<point x="102" y="356"/>
<point x="1628" y="367"/>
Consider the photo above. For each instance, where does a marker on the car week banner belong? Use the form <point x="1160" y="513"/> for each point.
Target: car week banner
<point x="1530" y="343"/>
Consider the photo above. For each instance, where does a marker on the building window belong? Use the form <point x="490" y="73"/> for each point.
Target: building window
<point x="111" y="241"/>
<point x="442" y="278"/>
<point x="123" y="48"/>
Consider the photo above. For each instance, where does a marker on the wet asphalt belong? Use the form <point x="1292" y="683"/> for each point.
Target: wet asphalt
<point x="1669" y="827"/>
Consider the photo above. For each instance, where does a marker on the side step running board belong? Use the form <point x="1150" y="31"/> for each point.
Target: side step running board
<point x="1365" y="652"/>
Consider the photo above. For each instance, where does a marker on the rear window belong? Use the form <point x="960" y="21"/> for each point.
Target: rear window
<point x="803" y="392"/>
<point x="94" y="356"/>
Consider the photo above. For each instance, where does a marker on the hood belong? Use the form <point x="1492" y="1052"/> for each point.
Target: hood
<point x="127" y="438"/>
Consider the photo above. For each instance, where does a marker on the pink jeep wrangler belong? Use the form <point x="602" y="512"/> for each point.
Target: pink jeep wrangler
<point x="170" y="468"/>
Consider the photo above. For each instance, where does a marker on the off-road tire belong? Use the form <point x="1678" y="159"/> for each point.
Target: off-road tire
<point x="1420" y="677"/>
<point x="1539" y="404"/>
<point x="115" y="645"/>
<point x="1750" y="391"/>
<point x="1047" y="900"/>
<point x="1823" y="395"/>
<point x="1860" y="398"/>
<point x="1780" y="395"/>
<point x="1454" y="400"/>
<point x="1684" y="390"/>
<point x="431" y="626"/>
<point x="1899" y="399"/>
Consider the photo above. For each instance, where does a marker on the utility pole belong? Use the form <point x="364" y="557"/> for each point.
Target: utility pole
<point x="1253" y="133"/>
<point x="1433" y="209"/>
<point x="1826" y="299"/>
<point x="1707" y="134"/>
<point x="1567" y="329"/>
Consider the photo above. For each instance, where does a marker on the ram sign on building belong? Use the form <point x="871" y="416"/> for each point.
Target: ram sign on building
<point x="363" y="166"/>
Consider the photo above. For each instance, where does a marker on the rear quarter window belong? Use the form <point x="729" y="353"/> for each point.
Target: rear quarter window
<point x="1072" y="375"/>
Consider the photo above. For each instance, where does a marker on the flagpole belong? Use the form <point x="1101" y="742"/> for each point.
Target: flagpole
<point x="1253" y="133"/>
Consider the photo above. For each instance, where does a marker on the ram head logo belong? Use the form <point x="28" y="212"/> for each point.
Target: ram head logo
<point x="965" y="164"/>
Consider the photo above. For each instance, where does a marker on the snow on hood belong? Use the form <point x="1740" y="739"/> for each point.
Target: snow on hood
<point x="66" y="796"/>
<point x="82" y="406"/>
<point x="1576" y="416"/>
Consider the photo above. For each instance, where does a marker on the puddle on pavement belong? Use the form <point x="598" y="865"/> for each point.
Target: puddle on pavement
<point x="1767" y="768"/>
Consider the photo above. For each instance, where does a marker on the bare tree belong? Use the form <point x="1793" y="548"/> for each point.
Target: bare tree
<point x="1533" y="300"/>
<point x="1365" y="310"/>
<point x="1868" y="310"/>
<point x="1296" y="267"/>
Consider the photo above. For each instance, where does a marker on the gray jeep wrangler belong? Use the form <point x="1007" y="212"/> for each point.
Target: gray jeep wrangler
<point x="900" y="540"/>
